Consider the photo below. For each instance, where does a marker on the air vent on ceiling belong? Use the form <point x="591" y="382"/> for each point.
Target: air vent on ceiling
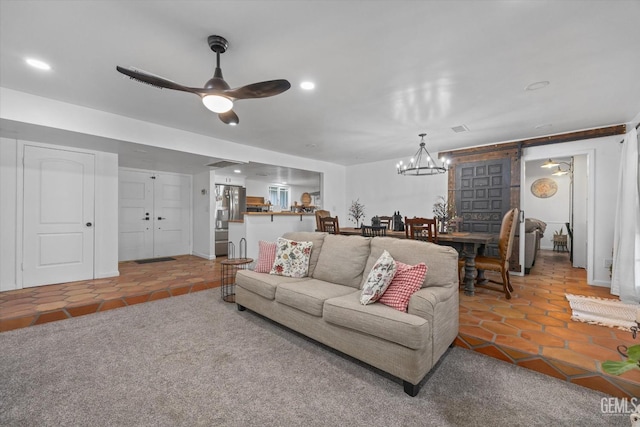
<point x="459" y="129"/>
<point x="224" y="163"/>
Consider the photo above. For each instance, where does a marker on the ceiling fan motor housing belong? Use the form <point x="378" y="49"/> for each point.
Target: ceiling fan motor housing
<point x="218" y="44"/>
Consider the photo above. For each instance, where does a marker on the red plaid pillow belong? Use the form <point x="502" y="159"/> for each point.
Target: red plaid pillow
<point x="406" y="282"/>
<point x="266" y="256"/>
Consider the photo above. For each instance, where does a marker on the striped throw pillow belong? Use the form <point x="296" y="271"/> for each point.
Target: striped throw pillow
<point x="266" y="256"/>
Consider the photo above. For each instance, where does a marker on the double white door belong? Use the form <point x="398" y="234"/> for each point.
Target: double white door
<point x="154" y="215"/>
<point x="58" y="216"/>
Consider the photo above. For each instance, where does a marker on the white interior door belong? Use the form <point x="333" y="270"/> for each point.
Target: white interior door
<point x="172" y="203"/>
<point x="154" y="215"/>
<point x="58" y="216"/>
<point x="135" y="210"/>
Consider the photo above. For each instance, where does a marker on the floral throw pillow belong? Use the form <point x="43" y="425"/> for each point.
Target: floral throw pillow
<point x="266" y="256"/>
<point x="292" y="258"/>
<point x="378" y="279"/>
<point x="406" y="282"/>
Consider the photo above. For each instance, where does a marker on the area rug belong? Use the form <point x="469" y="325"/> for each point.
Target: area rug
<point x="602" y="311"/>
<point x="150" y="260"/>
<point x="194" y="360"/>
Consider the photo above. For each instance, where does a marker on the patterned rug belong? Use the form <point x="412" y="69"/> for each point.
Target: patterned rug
<point x="601" y="311"/>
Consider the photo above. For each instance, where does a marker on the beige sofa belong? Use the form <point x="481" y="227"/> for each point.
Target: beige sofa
<point x="325" y="306"/>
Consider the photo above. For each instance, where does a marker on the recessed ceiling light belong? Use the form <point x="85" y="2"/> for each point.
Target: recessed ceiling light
<point x="237" y="171"/>
<point x="307" y="85"/>
<point x="284" y="182"/>
<point x="40" y="65"/>
<point x="537" y="85"/>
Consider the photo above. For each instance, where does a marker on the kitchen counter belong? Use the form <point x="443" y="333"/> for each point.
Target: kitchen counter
<point x="267" y="226"/>
<point x="272" y="214"/>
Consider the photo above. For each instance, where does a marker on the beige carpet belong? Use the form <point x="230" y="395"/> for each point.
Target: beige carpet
<point x="194" y="360"/>
<point x="601" y="311"/>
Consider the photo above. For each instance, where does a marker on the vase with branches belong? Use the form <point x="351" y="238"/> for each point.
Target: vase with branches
<point x="444" y="211"/>
<point x="356" y="212"/>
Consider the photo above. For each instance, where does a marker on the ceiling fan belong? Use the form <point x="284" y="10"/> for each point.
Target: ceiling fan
<point x="216" y="95"/>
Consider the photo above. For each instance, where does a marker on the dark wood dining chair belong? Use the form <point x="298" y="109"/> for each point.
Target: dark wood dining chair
<point x="373" y="231"/>
<point x="421" y="229"/>
<point x="386" y="220"/>
<point x="505" y="248"/>
<point x="330" y="225"/>
<point x="321" y="214"/>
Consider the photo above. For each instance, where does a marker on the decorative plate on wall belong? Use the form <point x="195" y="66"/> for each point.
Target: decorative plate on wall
<point x="544" y="188"/>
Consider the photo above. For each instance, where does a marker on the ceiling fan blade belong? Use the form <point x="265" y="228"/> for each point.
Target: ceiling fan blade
<point x="154" y="80"/>
<point x="230" y="117"/>
<point x="259" y="90"/>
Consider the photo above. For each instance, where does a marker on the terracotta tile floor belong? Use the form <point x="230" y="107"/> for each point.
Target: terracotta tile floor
<point x="532" y="330"/>
<point x="136" y="284"/>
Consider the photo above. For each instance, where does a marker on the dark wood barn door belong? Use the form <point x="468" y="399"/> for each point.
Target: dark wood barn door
<point x="482" y="195"/>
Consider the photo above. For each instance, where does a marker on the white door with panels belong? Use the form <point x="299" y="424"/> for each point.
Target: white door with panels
<point x="58" y="216"/>
<point x="154" y="215"/>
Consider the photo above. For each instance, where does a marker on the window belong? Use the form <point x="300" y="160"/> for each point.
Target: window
<point x="279" y="196"/>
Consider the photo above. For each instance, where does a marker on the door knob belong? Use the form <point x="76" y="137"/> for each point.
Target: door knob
<point x="161" y="218"/>
<point x="146" y="218"/>
<point x="88" y="224"/>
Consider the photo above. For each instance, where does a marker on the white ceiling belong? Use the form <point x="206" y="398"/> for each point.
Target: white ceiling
<point x="385" y="71"/>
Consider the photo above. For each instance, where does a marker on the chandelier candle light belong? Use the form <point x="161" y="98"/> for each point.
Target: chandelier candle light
<point x="422" y="163"/>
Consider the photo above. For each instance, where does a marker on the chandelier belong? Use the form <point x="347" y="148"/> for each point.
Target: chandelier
<point x="422" y="163"/>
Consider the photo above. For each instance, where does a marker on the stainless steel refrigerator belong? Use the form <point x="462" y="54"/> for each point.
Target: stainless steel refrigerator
<point x="231" y="202"/>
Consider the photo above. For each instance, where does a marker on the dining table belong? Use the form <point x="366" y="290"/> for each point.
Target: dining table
<point x="468" y="245"/>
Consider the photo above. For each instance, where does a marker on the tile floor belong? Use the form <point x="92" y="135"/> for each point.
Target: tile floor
<point x="532" y="330"/>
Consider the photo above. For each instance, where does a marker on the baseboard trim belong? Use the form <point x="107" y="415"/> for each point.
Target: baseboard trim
<point x="200" y="255"/>
<point x="107" y="274"/>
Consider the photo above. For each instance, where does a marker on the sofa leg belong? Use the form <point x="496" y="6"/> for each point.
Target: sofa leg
<point x="241" y="307"/>
<point x="411" y="389"/>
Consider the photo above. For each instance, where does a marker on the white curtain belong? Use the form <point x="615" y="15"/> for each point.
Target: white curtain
<point x="625" y="279"/>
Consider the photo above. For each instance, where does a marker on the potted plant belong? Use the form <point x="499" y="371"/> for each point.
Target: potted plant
<point x="633" y="361"/>
<point x="356" y="212"/>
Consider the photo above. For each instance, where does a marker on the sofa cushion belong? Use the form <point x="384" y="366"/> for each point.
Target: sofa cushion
<point x="342" y="260"/>
<point x="263" y="284"/>
<point x="307" y="236"/>
<point x="378" y="320"/>
<point x="266" y="256"/>
<point x="292" y="258"/>
<point x="441" y="260"/>
<point x="406" y="282"/>
<point x="378" y="279"/>
<point x="309" y="296"/>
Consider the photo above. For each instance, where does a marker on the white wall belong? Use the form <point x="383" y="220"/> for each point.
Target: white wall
<point x="8" y="212"/>
<point x="382" y="191"/>
<point x="604" y="160"/>
<point x="202" y="223"/>
<point x="106" y="213"/>
<point x="23" y="107"/>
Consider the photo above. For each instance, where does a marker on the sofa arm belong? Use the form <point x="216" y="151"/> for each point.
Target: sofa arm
<point x="439" y="305"/>
<point x="423" y="303"/>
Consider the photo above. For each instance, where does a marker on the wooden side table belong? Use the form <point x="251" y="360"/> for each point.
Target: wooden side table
<point x="228" y="279"/>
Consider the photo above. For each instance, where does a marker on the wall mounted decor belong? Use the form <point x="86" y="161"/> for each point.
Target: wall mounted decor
<point x="544" y="188"/>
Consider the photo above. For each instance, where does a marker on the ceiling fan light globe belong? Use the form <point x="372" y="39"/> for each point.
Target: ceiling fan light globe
<point x="217" y="103"/>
